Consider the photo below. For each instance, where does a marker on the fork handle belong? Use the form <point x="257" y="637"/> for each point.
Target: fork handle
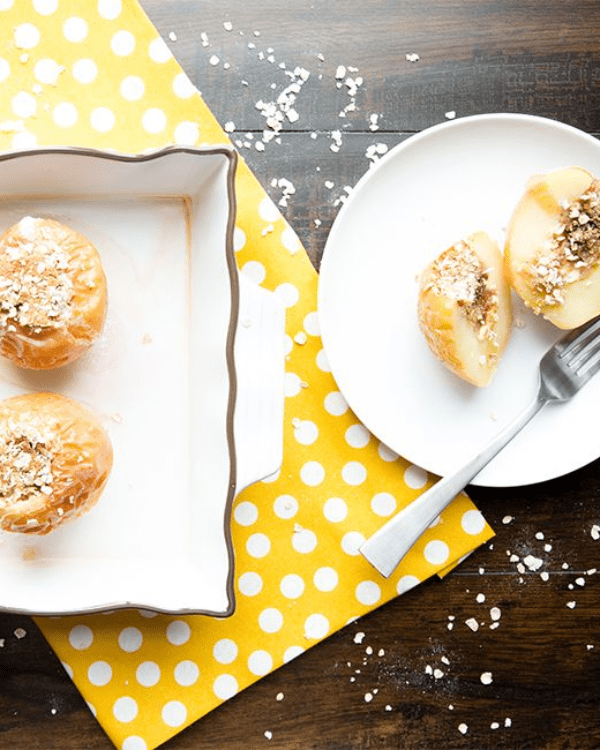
<point x="386" y="548"/>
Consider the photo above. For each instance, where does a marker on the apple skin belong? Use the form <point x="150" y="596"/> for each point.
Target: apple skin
<point x="450" y="334"/>
<point x="535" y="216"/>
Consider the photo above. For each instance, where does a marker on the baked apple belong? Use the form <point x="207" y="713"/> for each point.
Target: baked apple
<point x="552" y="251"/>
<point x="464" y="308"/>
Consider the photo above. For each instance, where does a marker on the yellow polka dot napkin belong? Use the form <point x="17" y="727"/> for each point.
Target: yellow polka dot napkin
<point x="98" y="74"/>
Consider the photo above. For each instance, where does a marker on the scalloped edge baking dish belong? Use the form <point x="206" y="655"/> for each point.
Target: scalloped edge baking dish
<point x="192" y="399"/>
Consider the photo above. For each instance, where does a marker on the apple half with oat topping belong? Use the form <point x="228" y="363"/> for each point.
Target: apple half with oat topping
<point x="464" y="308"/>
<point x="552" y="250"/>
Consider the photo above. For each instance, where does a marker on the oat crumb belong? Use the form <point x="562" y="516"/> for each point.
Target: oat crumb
<point x="463" y="728"/>
<point x="532" y="562"/>
<point x="486" y="678"/>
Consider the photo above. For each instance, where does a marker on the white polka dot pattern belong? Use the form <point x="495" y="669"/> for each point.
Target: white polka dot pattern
<point x="174" y="713"/>
<point x="103" y="77"/>
<point x="81" y="637"/>
<point x="178" y="632"/>
<point x="109" y="9"/>
<point x="225" y="686"/>
<point x="472" y="522"/>
<point x="148" y="673"/>
<point x="85" y="70"/>
<point x="225" y="651"/>
<point x="75" y="29"/>
<point x="316" y="626"/>
<point x="125" y="709"/>
<point x="133" y="742"/>
<point x="130" y="640"/>
<point x="122" y="43"/>
<point x="186" y="673"/>
<point x="326" y="579"/>
<point x="43" y="7"/>
<point x="99" y="673"/>
<point x="260" y="663"/>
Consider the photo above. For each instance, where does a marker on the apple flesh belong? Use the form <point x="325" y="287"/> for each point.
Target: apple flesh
<point x="464" y="308"/>
<point x="552" y="249"/>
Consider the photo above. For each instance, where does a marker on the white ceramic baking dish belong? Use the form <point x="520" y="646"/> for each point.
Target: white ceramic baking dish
<point x="187" y="377"/>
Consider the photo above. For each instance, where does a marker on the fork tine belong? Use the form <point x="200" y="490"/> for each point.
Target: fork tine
<point x="579" y="361"/>
<point x="577" y="340"/>
<point x="590" y="366"/>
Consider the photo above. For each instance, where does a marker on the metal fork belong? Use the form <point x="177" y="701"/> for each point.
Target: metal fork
<point x="564" y="369"/>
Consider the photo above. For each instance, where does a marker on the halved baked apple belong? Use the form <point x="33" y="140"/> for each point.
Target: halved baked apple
<point x="552" y="251"/>
<point x="464" y="308"/>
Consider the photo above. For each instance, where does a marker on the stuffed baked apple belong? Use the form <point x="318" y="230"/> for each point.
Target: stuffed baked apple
<point x="552" y="251"/>
<point x="464" y="308"/>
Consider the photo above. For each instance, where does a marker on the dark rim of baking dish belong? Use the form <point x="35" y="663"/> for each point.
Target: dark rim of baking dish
<point x="232" y="157"/>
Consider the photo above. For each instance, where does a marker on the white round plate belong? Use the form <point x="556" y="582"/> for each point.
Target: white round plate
<point x="425" y="194"/>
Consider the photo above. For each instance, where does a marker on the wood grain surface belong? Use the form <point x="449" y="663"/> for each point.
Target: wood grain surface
<point x="410" y="674"/>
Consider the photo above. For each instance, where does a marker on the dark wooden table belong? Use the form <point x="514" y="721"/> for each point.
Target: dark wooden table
<point x="419" y="659"/>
